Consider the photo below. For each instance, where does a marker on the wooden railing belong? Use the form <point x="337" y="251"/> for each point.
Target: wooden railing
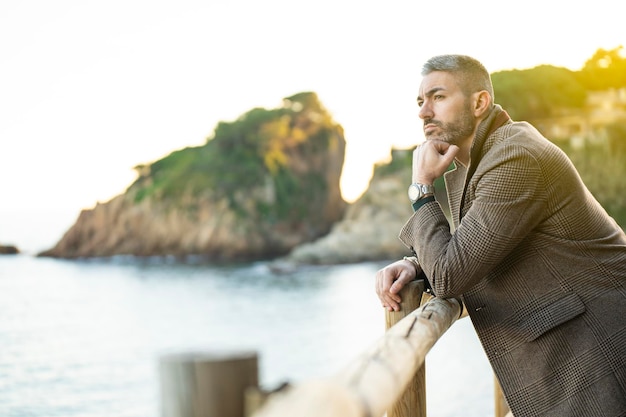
<point x="387" y="379"/>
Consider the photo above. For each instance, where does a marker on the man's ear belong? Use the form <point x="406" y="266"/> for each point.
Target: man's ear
<point x="482" y="103"/>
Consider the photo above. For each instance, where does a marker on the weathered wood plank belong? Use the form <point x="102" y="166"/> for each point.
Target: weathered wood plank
<point x="376" y="379"/>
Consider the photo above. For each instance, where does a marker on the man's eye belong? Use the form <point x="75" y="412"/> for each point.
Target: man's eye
<point x="420" y="103"/>
<point x="438" y="97"/>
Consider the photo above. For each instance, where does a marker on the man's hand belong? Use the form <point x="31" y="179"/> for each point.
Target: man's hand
<point x="391" y="279"/>
<point x="431" y="159"/>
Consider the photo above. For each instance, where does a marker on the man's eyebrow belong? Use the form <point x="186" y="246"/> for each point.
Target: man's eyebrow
<point x="431" y="92"/>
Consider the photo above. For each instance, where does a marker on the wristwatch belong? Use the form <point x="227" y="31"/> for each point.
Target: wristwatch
<point x="418" y="191"/>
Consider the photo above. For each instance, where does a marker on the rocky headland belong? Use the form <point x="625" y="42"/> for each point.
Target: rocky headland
<point x="259" y="187"/>
<point x="9" y="250"/>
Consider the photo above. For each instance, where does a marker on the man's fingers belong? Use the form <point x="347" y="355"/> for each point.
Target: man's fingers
<point x="449" y="155"/>
<point x="431" y="159"/>
<point x="390" y="280"/>
<point x="398" y="284"/>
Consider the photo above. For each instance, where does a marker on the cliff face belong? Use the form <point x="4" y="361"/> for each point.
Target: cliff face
<point x="260" y="187"/>
<point x="369" y="230"/>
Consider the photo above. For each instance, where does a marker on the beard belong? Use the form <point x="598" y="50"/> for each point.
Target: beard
<point x="453" y="132"/>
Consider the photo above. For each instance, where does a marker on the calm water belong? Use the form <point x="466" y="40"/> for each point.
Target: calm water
<point x="84" y="338"/>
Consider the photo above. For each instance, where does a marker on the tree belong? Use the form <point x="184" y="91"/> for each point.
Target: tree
<point x="604" y="70"/>
<point x="538" y="92"/>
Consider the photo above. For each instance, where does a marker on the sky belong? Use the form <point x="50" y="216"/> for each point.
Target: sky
<point x="90" y="89"/>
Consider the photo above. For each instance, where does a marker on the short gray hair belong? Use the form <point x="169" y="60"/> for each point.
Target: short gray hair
<point x="471" y="73"/>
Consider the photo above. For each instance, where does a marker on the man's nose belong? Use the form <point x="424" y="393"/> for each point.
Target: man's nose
<point x="425" y="112"/>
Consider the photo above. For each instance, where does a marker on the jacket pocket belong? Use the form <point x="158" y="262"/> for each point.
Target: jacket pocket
<point x="551" y="315"/>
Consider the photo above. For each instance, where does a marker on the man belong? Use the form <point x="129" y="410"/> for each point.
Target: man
<point x="537" y="262"/>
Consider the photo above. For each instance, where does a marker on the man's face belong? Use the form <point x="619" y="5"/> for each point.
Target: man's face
<point x="444" y="109"/>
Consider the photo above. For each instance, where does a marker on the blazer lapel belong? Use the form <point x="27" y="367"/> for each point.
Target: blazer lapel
<point x="455" y="182"/>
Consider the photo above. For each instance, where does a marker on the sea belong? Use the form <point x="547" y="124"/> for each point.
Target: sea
<point x="83" y="338"/>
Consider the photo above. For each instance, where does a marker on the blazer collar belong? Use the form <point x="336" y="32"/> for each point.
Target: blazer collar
<point x="457" y="180"/>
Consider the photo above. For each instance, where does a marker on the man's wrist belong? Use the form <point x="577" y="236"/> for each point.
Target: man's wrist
<point x="414" y="261"/>
<point x="423" y="180"/>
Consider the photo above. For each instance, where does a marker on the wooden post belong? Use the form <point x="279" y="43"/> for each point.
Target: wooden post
<point x="375" y="380"/>
<point x="502" y="407"/>
<point x="206" y="384"/>
<point x="412" y="403"/>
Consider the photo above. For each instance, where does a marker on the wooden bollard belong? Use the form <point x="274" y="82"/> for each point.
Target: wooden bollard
<point x="208" y="384"/>
<point x="501" y="406"/>
<point x="412" y="403"/>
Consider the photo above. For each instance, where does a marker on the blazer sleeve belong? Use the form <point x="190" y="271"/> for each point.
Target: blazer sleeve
<point x="506" y="199"/>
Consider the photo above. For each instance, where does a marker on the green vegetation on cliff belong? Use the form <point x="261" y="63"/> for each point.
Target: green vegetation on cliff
<point x="260" y="151"/>
<point x="545" y="90"/>
<point x="538" y="92"/>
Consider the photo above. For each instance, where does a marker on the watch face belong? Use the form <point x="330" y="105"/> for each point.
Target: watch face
<point x="414" y="192"/>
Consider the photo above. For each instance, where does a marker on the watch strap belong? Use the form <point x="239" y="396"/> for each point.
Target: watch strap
<point x="419" y="203"/>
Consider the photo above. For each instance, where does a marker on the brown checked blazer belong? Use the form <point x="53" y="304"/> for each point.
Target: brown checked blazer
<point x="540" y="267"/>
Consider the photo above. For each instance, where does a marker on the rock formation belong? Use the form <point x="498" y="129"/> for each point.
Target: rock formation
<point x="9" y="250"/>
<point x="259" y="187"/>
<point x="369" y="230"/>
